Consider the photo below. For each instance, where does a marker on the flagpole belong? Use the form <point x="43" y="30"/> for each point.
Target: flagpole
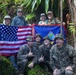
<point x="61" y="15"/>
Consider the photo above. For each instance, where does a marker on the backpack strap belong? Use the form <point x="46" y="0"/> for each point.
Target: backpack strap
<point x="55" y="20"/>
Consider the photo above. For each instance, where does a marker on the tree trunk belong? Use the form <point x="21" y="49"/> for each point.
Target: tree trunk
<point x="72" y="9"/>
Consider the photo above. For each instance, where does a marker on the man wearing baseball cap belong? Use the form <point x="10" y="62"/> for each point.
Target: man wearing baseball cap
<point x="19" y="20"/>
<point x="51" y="19"/>
<point x="7" y="20"/>
<point x="62" y="57"/>
<point x="45" y="53"/>
<point x="36" y="52"/>
<point x="42" y="19"/>
<point x="24" y="55"/>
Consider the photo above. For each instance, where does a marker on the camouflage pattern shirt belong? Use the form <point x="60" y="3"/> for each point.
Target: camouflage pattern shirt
<point x="53" y="21"/>
<point x="45" y="52"/>
<point x="36" y="51"/>
<point x="62" y="57"/>
<point x="23" y="51"/>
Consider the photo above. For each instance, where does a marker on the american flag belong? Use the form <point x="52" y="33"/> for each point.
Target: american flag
<point x="12" y="37"/>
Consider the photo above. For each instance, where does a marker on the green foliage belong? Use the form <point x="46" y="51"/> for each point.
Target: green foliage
<point x="72" y="28"/>
<point x="32" y="5"/>
<point x="6" y="67"/>
<point x="40" y="6"/>
<point x="65" y="4"/>
<point x="31" y="8"/>
<point x="30" y="16"/>
<point x="37" y="70"/>
<point x="46" y="5"/>
<point x="55" y="7"/>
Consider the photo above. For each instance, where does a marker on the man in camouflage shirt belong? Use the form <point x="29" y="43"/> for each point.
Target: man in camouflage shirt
<point x="45" y="53"/>
<point x="36" y="52"/>
<point x="62" y="57"/>
<point x="24" y="55"/>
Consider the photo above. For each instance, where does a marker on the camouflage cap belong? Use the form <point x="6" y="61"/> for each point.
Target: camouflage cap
<point x="46" y="37"/>
<point x="29" y="39"/>
<point x="59" y="36"/>
<point x="38" y="35"/>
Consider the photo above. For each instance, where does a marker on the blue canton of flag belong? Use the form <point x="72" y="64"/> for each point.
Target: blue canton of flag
<point x="8" y="33"/>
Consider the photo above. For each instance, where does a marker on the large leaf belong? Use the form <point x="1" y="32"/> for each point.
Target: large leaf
<point x="33" y="4"/>
<point x="3" y="5"/>
<point x="72" y="28"/>
<point x="46" y="5"/>
<point x="28" y="3"/>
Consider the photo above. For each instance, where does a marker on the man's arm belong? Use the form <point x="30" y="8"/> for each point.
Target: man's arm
<point x="20" y="54"/>
<point x="25" y="23"/>
<point x="52" y="64"/>
<point x="13" y="22"/>
<point x="36" y="53"/>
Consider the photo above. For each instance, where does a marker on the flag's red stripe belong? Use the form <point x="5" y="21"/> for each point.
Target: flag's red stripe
<point x="24" y="27"/>
<point x="23" y="34"/>
<point x="22" y="39"/>
<point x="15" y="44"/>
<point x="9" y="49"/>
<point x="7" y="54"/>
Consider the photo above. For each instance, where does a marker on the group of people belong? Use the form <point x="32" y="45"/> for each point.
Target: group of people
<point x="59" y="58"/>
<point x="19" y="20"/>
<point x="51" y="19"/>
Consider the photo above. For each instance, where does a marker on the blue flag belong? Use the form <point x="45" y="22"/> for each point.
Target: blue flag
<point x="49" y="31"/>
